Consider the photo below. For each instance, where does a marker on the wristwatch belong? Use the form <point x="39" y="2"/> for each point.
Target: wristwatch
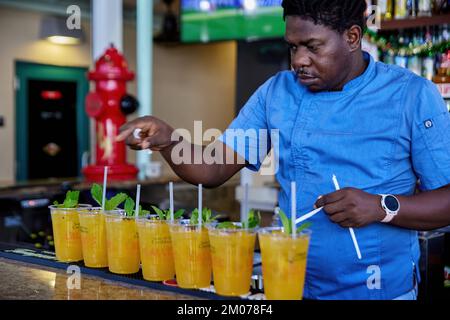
<point x="390" y="205"/>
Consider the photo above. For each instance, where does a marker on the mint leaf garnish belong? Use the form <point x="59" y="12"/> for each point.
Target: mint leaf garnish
<point x="161" y="214"/>
<point x="227" y="225"/>
<point x="110" y="204"/>
<point x="178" y="214"/>
<point x="97" y="193"/>
<point x="142" y="212"/>
<point x="71" y="200"/>
<point x="304" y="226"/>
<point x="253" y="220"/>
<point x="287" y="225"/>
<point x="115" y="201"/>
<point x="207" y="216"/>
<point x="165" y="214"/>
<point x="129" y="207"/>
<point x="285" y="221"/>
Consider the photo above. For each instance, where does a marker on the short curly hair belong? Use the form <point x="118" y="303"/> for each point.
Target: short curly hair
<point x="339" y="15"/>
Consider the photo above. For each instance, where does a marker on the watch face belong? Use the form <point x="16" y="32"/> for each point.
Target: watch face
<point x="391" y="203"/>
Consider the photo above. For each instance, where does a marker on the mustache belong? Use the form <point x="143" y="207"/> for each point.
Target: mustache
<point x="302" y="72"/>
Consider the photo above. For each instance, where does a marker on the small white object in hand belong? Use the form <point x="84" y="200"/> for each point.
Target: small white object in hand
<point x="136" y="135"/>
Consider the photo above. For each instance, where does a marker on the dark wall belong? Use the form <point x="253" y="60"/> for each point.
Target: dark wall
<point x="257" y="61"/>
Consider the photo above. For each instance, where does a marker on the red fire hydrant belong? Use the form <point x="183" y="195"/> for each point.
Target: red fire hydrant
<point x="108" y="105"/>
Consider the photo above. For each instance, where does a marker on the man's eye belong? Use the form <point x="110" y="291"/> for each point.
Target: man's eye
<point x="292" y="47"/>
<point x="312" y="48"/>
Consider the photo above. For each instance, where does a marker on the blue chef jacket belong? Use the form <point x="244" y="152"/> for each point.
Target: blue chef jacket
<point x="386" y="129"/>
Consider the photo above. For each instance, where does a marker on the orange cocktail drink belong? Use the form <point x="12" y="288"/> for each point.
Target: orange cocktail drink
<point x="156" y="249"/>
<point x="232" y="259"/>
<point x="66" y="233"/>
<point x="93" y="237"/>
<point x="191" y="253"/>
<point x="122" y="242"/>
<point x="283" y="260"/>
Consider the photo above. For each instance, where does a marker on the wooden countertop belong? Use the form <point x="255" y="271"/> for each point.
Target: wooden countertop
<point x="23" y="281"/>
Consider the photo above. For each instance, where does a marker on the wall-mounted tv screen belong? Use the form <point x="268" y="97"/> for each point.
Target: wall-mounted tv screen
<point x="211" y="20"/>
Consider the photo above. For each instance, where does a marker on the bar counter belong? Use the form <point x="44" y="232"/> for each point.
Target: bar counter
<point x="24" y="281"/>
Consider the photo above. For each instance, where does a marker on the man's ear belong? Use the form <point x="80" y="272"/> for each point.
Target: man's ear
<point x="353" y="36"/>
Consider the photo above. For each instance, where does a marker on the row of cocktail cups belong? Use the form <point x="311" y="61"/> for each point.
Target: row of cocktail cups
<point x="192" y="253"/>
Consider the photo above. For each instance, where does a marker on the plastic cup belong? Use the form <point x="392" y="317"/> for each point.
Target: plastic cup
<point x="156" y="249"/>
<point x="93" y="237"/>
<point x="283" y="263"/>
<point x="122" y="241"/>
<point x="66" y="233"/>
<point x="232" y="259"/>
<point x="191" y="253"/>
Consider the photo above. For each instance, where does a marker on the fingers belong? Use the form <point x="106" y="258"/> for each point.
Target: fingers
<point x="330" y="198"/>
<point x="146" y="143"/>
<point x="133" y="143"/>
<point x="344" y="219"/>
<point x="128" y="129"/>
<point x="154" y="142"/>
<point x="334" y="208"/>
<point x="134" y="132"/>
<point x="137" y="146"/>
<point x="339" y="217"/>
<point x="125" y="132"/>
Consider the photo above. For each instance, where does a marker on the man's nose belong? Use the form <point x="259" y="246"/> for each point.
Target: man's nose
<point x="300" y="58"/>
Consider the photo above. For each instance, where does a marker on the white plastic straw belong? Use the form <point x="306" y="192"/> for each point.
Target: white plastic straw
<point x="138" y="198"/>
<point x="308" y="215"/>
<point x="352" y="232"/>
<point x="105" y="179"/>
<point x="245" y="213"/>
<point x="200" y="209"/>
<point x="293" y="208"/>
<point x="171" y="200"/>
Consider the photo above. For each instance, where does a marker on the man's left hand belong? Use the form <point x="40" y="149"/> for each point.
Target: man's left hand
<point x="350" y="207"/>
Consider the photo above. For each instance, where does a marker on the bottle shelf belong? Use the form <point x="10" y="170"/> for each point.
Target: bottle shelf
<point x="415" y="22"/>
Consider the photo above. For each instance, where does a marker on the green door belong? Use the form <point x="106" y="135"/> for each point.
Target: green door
<point x="52" y="128"/>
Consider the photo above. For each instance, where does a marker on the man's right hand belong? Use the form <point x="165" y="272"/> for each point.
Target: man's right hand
<point x="155" y="134"/>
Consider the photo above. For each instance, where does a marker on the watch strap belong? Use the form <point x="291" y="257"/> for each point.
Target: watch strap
<point x="389" y="214"/>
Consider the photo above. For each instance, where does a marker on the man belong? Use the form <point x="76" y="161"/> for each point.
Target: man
<point x="378" y="128"/>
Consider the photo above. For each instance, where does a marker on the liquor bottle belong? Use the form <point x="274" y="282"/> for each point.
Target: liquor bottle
<point x="415" y="64"/>
<point x="424" y="8"/>
<point x="382" y="6"/>
<point x="276" y="219"/>
<point x="418" y="37"/>
<point x="446" y="7"/>
<point x="437" y="34"/>
<point x="407" y="40"/>
<point x="428" y="66"/>
<point x="389" y="9"/>
<point x="427" y="36"/>
<point x="412" y="8"/>
<point x="400" y="9"/>
<point x="389" y="57"/>
<point x="446" y="32"/>
<point x="440" y="6"/>
<point x="442" y="78"/>
<point x="401" y="59"/>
